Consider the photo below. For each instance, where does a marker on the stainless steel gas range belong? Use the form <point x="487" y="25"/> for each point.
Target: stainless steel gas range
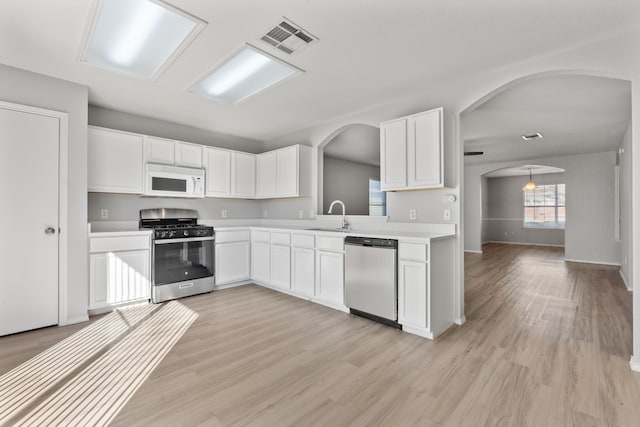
<point x="182" y="253"/>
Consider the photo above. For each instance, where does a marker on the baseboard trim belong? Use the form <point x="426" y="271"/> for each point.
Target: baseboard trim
<point x="634" y="364"/>
<point x="231" y="285"/>
<point x="473" y="252"/>
<point x="422" y="332"/>
<point x="582" y="261"/>
<point x="74" y="320"/>
<point x="624" y="280"/>
<point x="460" y="320"/>
<point x="525" y="244"/>
<point x="334" y="306"/>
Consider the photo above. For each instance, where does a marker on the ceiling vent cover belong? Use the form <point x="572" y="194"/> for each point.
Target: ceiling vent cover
<point x="288" y="37"/>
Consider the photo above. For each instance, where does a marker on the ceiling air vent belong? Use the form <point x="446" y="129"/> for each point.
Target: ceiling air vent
<point x="531" y="136"/>
<point x="288" y="37"/>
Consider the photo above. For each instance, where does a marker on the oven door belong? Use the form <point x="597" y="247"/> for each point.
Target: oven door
<point x="178" y="260"/>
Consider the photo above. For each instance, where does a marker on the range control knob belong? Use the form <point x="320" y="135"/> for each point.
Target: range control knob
<point x="185" y="233"/>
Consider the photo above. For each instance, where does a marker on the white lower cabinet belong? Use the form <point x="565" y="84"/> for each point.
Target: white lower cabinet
<point x="280" y="266"/>
<point x="303" y="271"/>
<point x="260" y="261"/>
<point x="232" y="262"/>
<point x="412" y="293"/>
<point x="330" y="277"/>
<point x="119" y="271"/>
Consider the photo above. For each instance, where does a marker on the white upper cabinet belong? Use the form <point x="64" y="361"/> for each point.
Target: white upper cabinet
<point x="393" y="154"/>
<point x="188" y="155"/>
<point x="266" y="175"/>
<point x="411" y="152"/>
<point x="243" y="175"/>
<point x="217" y="165"/>
<point x="115" y="161"/>
<point x="285" y="172"/>
<point x="158" y="150"/>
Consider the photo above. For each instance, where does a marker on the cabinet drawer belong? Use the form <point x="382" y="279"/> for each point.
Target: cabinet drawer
<point x="413" y="251"/>
<point x="280" y="238"/>
<point x="233" y="236"/>
<point x="303" y="240"/>
<point x="260" y="236"/>
<point x="120" y="243"/>
<point x="328" y="243"/>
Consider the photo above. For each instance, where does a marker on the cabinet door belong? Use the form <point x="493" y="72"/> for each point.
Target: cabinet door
<point x="243" y="175"/>
<point x="393" y="155"/>
<point x="330" y="277"/>
<point x="266" y="175"/>
<point x="303" y="271"/>
<point x="158" y="150"/>
<point x="260" y="262"/>
<point x="281" y="266"/>
<point x="287" y="171"/>
<point x="217" y="165"/>
<point x="424" y="150"/>
<point x="232" y="262"/>
<point x="115" y="161"/>
<point x="412" y="293"/>
<point x="118" y="277"/>
<point x="188" y="155"/>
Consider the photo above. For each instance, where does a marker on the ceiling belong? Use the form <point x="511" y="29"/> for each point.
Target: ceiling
<point x="574" y="114"/>
<point x="523" y="170"/>
<point x="357" y="143"/>
<point x="369" y="53"/>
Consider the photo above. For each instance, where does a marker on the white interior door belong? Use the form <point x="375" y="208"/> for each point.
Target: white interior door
<point x="29" y="247"/>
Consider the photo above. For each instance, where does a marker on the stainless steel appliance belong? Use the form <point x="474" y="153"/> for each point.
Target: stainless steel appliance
<point x="370" y="280"/>
<point x="173" y="181"/>
<point x="182" y="253"/>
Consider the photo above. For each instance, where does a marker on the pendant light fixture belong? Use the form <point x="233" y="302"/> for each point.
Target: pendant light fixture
<point x="530" y="185"/>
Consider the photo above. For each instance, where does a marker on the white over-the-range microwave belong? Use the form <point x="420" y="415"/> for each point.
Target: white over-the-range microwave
<point x="173" y="181"/>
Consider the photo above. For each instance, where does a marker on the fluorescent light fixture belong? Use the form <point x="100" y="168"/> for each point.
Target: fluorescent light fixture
<point x="138" y="37"/>
<point x="243" y="75"/>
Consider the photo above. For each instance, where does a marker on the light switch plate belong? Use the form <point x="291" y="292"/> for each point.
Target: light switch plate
<point x="447" y="215"/>
<point x="224" y="213"/>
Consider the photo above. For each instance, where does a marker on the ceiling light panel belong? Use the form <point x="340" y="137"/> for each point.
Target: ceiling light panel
<point x="138" y="37"/>
<point x="243" y="75"/>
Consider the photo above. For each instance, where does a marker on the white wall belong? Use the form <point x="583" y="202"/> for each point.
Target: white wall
<point x="626" y="255"/>
<point x="348" y="181"/>
<point x="589" y="179"/>
<point x="23" y="87"/>
<point x="504" y="212"/>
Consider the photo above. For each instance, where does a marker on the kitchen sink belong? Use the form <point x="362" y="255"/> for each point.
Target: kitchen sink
<point x="333" y="230"/>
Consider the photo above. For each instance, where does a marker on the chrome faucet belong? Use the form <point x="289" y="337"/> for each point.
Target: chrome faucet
<point x="345" y="223"/>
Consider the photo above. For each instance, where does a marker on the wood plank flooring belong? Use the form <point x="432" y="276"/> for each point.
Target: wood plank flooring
<point x="546" y="343"/>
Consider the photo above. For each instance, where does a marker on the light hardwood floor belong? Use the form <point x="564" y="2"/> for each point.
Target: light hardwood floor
<point x="546" y="343"/>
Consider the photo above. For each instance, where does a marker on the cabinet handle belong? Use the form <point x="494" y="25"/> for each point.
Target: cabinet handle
<point x="49" y="231"/>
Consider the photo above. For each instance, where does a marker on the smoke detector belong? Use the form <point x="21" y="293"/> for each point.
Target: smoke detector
<point x="532" y="136"/>
<point x="288" y="37"/>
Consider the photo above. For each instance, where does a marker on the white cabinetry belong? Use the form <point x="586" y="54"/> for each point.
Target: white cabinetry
<point x="243" y="175"/>
<point x="260" y="255"/>
<point x="266" y="175"/>
<point x="285" y="172"/>
<point x="119" y="271"/>
<point x="114" y="161"/>
<point x="425" y="287"/>
<point x="158" y="150"/>
<point x="412" y="152"/>
<point x="303" y="264"/>
<point x="232" y="256"/>
<point x="217" y="166"/>
<point x="280" y="261"/>
<point x="188" y="155"/>
<point x="330" y="270"/>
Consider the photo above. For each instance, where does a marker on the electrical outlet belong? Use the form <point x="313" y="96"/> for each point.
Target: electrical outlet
<point x="104" y="213"/>
<point x="224" y="213"/>
<point x="265" y="214"/>
<point x="447" y="215"/>
<point x="412" y="214"/>
<point x="300" y="213"/>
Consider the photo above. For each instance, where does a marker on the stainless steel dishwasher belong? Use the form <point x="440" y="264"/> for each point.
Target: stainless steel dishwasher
<point x="370" y="278"/>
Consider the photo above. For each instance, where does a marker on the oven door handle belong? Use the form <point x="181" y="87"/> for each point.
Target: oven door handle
<point x="186" y="239"/>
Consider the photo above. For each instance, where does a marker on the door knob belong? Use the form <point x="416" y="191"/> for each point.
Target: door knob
<point x="49" y="230"/>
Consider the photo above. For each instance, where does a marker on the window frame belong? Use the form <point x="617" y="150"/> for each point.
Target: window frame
<point x="383" y="197"/>
<point x="556" y="225"/>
